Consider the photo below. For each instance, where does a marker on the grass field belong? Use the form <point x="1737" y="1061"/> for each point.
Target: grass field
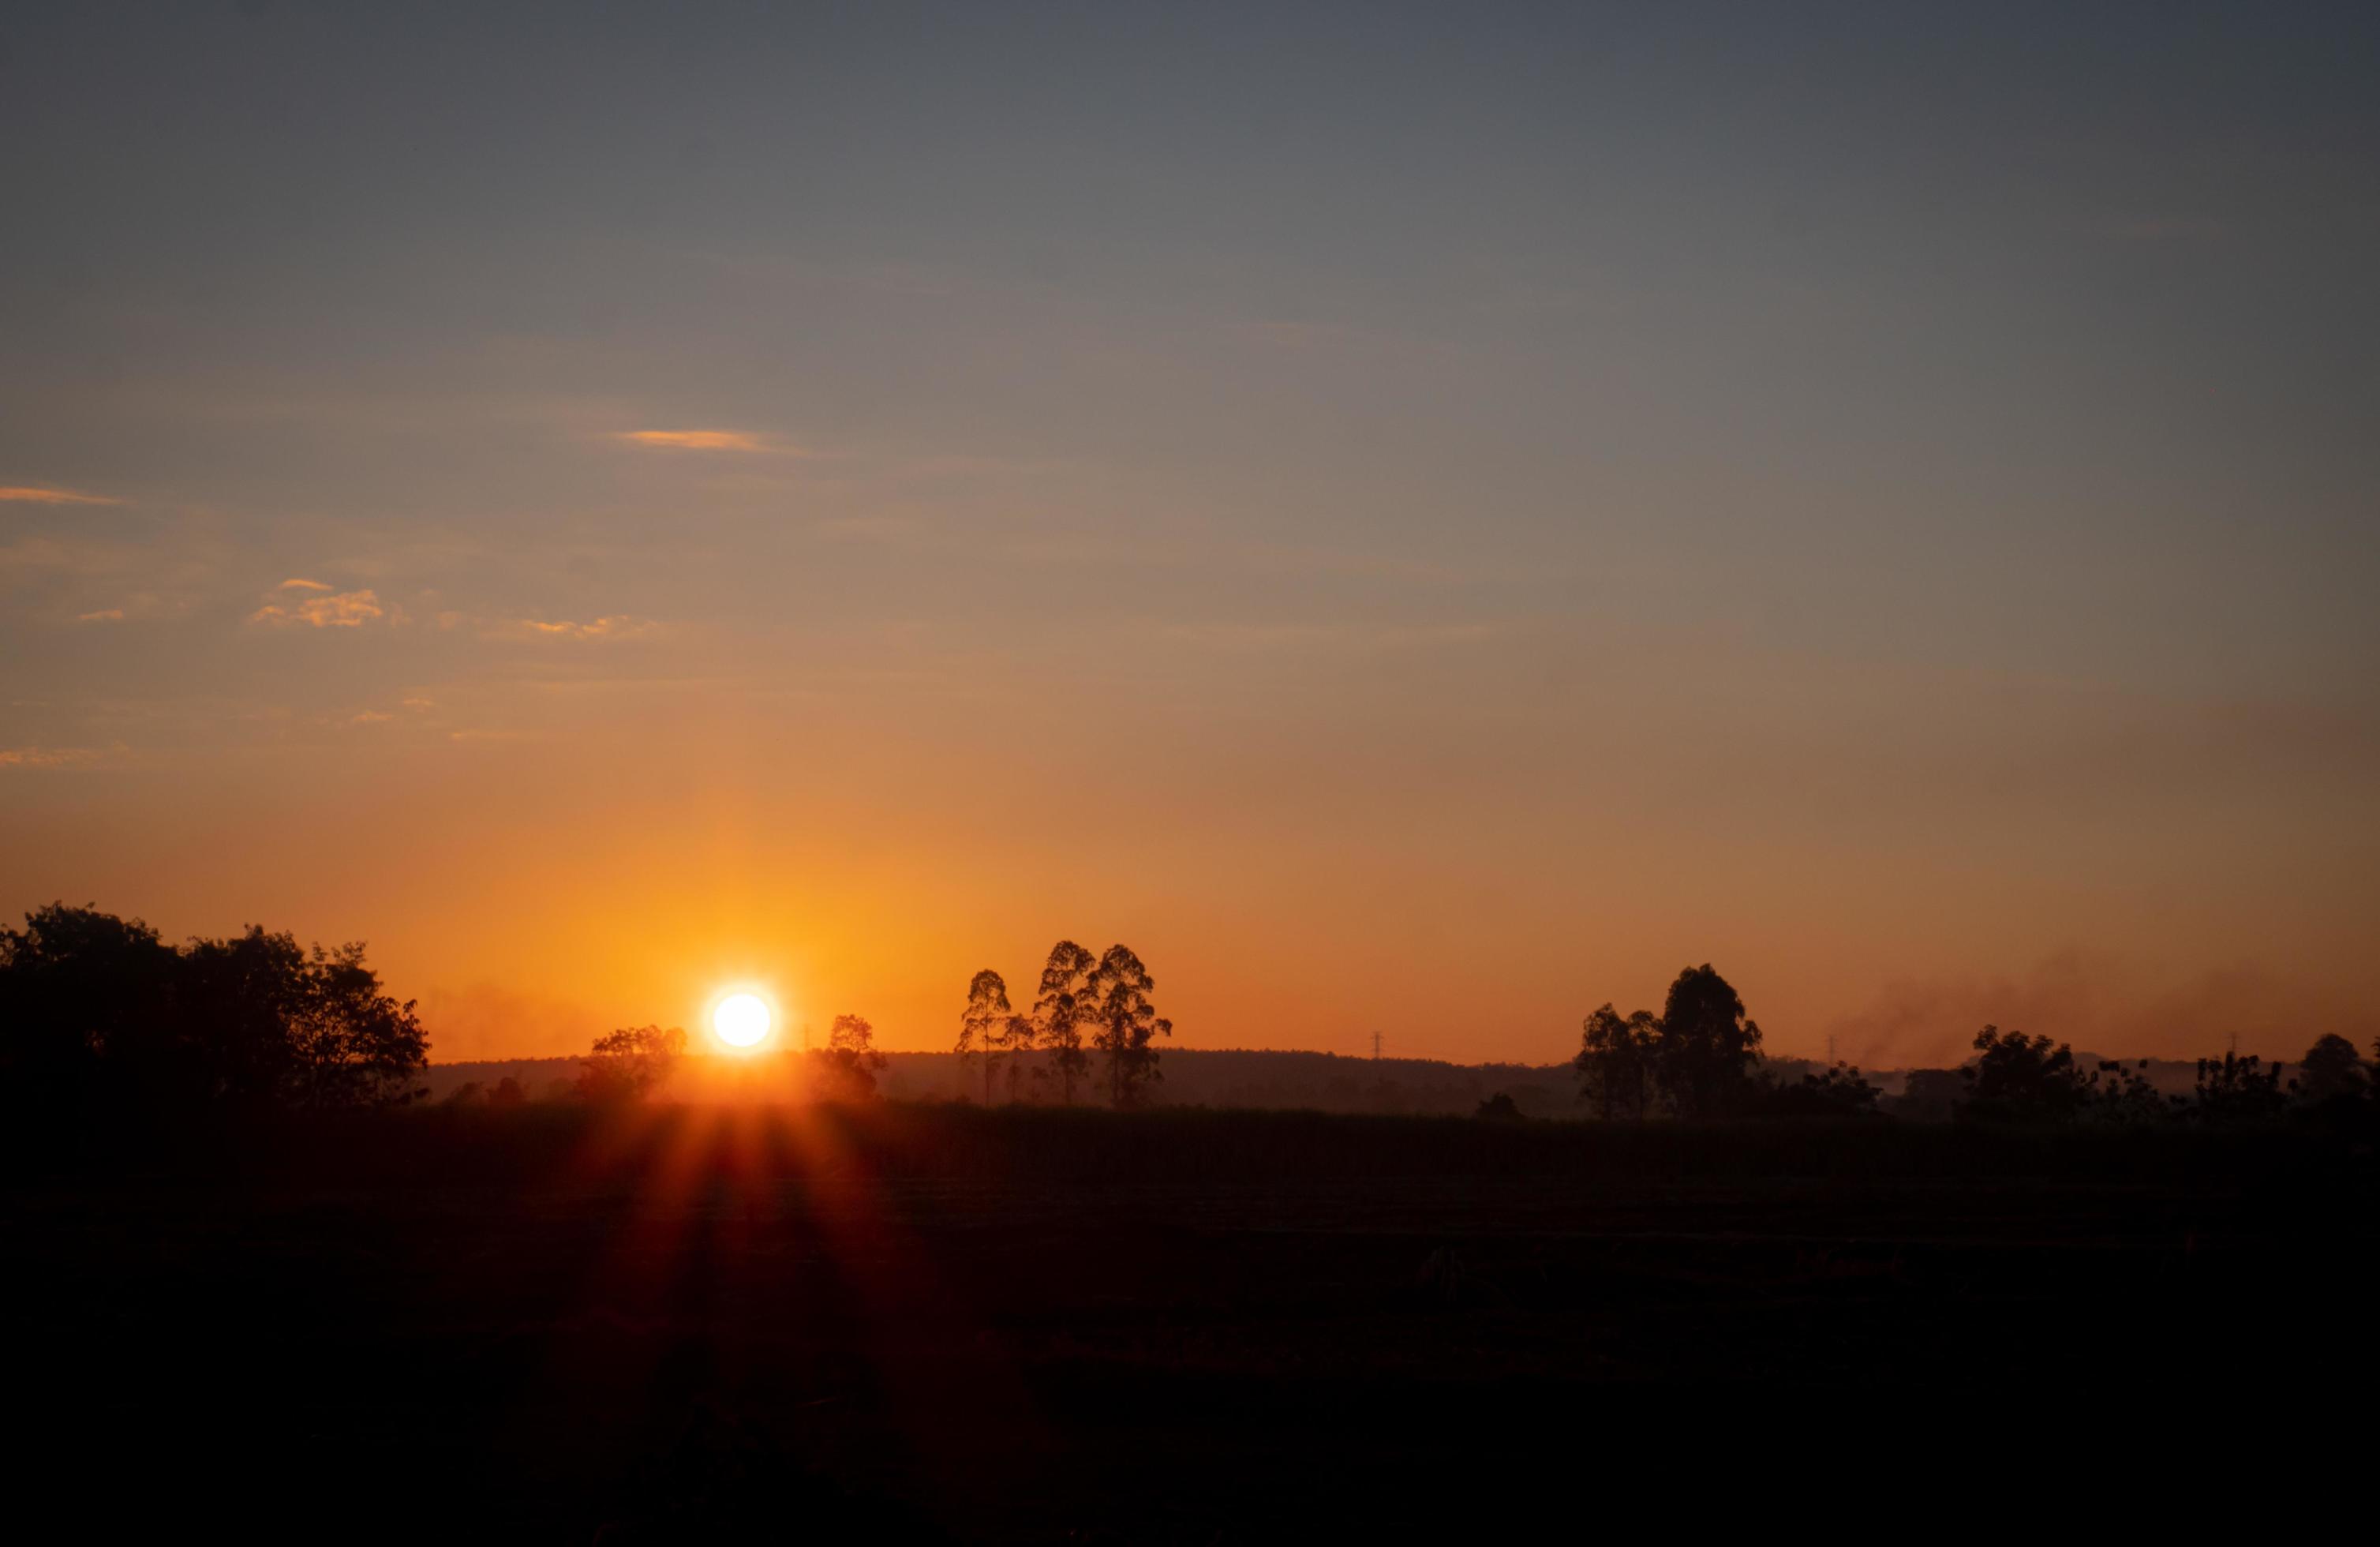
<point x="556" y="1323"/>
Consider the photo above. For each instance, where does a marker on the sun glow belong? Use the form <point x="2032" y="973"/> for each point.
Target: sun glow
<point x="741" y="1021"/>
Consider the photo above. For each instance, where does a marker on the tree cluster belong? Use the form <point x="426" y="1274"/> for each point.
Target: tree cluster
<point x="1697" y="1058"/>
<point x="1109" y="997"/>
<point x="99" y="1013"/>
<point x="2030" y="1081"/>
<point x="630" y="1064"/>
<point x="1700" y="1058"/>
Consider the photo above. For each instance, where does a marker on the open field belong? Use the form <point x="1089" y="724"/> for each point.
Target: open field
<point x="1182" y="1326"/>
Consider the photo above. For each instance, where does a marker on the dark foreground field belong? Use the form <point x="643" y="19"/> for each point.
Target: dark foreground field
<point x="555" y="1324"/>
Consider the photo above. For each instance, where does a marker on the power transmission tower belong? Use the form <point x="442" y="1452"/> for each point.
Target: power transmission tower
<point x="1376" y="1047"/>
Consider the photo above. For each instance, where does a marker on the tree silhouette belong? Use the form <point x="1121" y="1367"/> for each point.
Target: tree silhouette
<point x="95" y="1009"/>
<point x="349" y="1044"/>
<point x="2236" y="1090"/>
<point x="86" y="1013"/>
<point x="1060" y="1008"/>
<point x="850" y="1059"/>
<point x="2022" y="1078"/>
<point x="983" y="1025"/>
<point x="2031" y="1080"/>
<point x="1017" y="1040"/>
<point x="1127" y="1024"/>
<point x="285" y="1028"/>
<point x="1615" y="1062"/>
<point x="629" y="1065"/>
<point x="1704" y="1059"/>
<point x="2331" y="1069"/>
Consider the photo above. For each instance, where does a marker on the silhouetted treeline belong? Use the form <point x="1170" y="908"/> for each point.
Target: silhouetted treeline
<point x="634" y="1063"/>
<point x="97" y="1012"/>
<point x="1700" y="1057"/>
<point x="2030" y="1081"/>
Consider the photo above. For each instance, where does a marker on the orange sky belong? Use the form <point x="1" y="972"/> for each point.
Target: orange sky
<point x="1466" y="879"/>
<point x="1425" y="537"/>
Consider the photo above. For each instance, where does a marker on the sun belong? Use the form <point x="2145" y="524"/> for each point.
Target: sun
<point x="741" y="1020"/>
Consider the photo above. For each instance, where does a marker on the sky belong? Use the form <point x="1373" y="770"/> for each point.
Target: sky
<point x="1419" y="519"/>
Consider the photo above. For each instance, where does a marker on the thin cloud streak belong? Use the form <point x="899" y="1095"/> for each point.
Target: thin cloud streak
<point x="39" y="494"/>
<point x="704" y="440"/>
<point x="610" y="627"/>
<point x="45" y="757"/>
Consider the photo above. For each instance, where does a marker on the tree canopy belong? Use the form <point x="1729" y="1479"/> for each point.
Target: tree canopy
<point x="1708" y="1047"/>
<point x="1615" y="1062"/>
<point x="98" y="1009"/>
<point x="1127" y="1024"/>
<point x="1060" y="1004"/>
<point x="984" y="1026"/>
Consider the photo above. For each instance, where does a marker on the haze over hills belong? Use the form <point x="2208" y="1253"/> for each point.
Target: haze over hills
<point x="1192" y="1076"/>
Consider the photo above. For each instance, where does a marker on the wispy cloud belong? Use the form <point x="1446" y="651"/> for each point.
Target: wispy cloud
<point x="38" y="494"/>
<point x="704" y="440"/>
<point x="45" y="757"/>
<point x="295" y="584"/>
<point x="347" y="609"/>
<point x="104" y="615"/>
<point x="619" y="626"/>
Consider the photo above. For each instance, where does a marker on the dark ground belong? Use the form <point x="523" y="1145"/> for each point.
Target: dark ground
<point x="553" y="1324"/>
